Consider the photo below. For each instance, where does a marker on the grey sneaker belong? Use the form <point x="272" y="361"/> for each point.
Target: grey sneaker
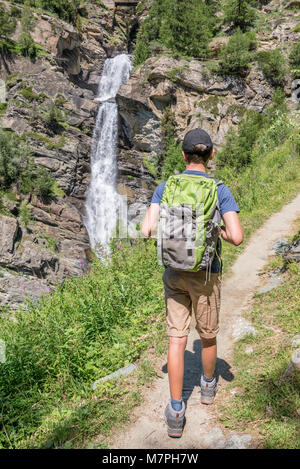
<point x="175" y="420"/>
<point x="208" y="391"/>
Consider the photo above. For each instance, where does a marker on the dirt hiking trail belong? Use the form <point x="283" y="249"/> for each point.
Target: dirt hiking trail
<point x="147" y="428"/>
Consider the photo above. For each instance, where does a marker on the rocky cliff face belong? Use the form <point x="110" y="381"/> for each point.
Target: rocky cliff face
<point x="55" y="243"/>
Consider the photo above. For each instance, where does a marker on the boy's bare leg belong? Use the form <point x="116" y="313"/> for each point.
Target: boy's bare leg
<point x="209" y="356"/>
<point x="176" y="365"/>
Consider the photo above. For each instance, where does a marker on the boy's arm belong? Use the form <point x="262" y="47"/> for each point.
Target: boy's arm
<point x="150" y="221"/>
<point x="232" y="231"/>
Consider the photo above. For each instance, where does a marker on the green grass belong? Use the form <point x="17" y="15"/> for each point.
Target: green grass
<point x="264" y="402"/>
<point x="86" y="329"/>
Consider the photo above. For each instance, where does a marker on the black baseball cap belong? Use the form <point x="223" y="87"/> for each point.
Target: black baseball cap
<point x="196" y="137"/>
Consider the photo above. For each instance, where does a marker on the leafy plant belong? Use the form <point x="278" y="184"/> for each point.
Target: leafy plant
<point x="18" y="168"/>
<point x="183" y="27"/>
<point x="54" y="117"/>
<point x="273" y="65"/>
<point x="239" y="13"/>
<point x="25" y="214"/>
<point x="295" y="54"/>
<point x="235" y="56"/>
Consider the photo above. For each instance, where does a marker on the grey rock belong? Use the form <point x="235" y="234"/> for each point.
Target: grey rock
<point x="215" y="439"/>
<point x="241" y="328"/>
<point x="117" y="374"/>
<point x="296" y="341"/>
<point x="236" y="441"/>
<point x="8" y="233"/>
<point x="273" y="284"/>
<point x="292" y="251"/>
<point x="278" y="246"/>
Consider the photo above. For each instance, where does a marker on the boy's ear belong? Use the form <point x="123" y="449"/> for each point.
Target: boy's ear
<point x="184" y="156"/>
<point x="212" y="154"/>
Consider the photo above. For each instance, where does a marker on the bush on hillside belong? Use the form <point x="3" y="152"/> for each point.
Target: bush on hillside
<point x="239" y="13"/>
<point x="7" y="28"/>
<point x="235" y="56"/>
<point x="295" y="54"/>
<point x="67" y="10"/>
<point x="183" y="27"/>
<point x="256" y="134"/>
<point x="18" y="169"/>
<point x="173" y="159"/>
<point x="273" y="66"/>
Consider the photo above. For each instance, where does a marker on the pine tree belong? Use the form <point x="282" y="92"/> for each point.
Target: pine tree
<point x="239" y="13"/>
<point x="7" y="24"/>
<point x="186" y="28"/>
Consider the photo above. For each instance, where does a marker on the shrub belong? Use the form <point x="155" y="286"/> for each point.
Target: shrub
<point x="30" y="95"/>
<point x="86" y="329"/>
<point x="54" y="117"/>
<point x="173" y="159"/>
<point x="273" y="65"/>
<point x="235" y="56"/>
<point x="295" y="54"/>
<point x="25" y="214"/>
<point x="7" y="28"/>
<point x="17" y="167"/>
<point x="239" y="13"/>
<point x="67" y="10"/>
<point x="183" y="27"/>
<point x="256" y="134"/>
<point x="27" y="47"/>
<point x="237" y="150"/>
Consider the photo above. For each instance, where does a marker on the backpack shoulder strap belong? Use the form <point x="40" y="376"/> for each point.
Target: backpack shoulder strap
<point x="218" y="182"/>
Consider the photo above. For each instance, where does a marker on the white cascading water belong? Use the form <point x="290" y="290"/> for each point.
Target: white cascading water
<point x="103" y="201"/>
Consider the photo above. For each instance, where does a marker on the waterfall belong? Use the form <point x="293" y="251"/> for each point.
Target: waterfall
<point x="103" y="201"/>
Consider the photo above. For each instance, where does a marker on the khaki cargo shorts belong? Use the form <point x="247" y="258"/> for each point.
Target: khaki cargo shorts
<point x="184" y="290"/>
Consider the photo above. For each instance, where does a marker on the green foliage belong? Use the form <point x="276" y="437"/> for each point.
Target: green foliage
<point x="239" y="13"/>
<point x="43" y="183"/>
<point x="295" y="54"/>
<point x="238" y="147"/>
<point x="7" y="28"/>
<point x="30" y="95"/>
<point x="27" y="47"/>
<point x="52" y="242"/>
<point x="3" y="107"/>
<point x="173" y="159"/>
<point x="54" y="117"/>
<point x="86" y="329"/>
<point x="28" y="20"/>
<point x="25" y="214"/>
<point x="264" y="395"/>
<point x="273" y="65"/>
<point x="235" y="56"/>
<point x="60" y="100"/>
<point x="67" y="10"/>
<point x="256" y="135"/>
<point x="183" y="27"/>
<point x="17" y="168"/>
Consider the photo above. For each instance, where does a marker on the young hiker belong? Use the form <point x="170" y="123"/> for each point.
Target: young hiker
<point x="191" y="207"/>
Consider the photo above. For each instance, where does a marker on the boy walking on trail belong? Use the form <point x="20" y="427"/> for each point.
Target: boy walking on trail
<point x="190" y="208"/>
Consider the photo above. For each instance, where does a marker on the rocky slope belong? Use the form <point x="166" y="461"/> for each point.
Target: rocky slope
<point x="55" y="244"/>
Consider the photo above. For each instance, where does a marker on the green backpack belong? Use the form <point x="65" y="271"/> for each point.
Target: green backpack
<point x="189" y="223"/>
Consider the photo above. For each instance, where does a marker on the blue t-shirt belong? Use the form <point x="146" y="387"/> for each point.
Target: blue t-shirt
<point x="226" y="201"/>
